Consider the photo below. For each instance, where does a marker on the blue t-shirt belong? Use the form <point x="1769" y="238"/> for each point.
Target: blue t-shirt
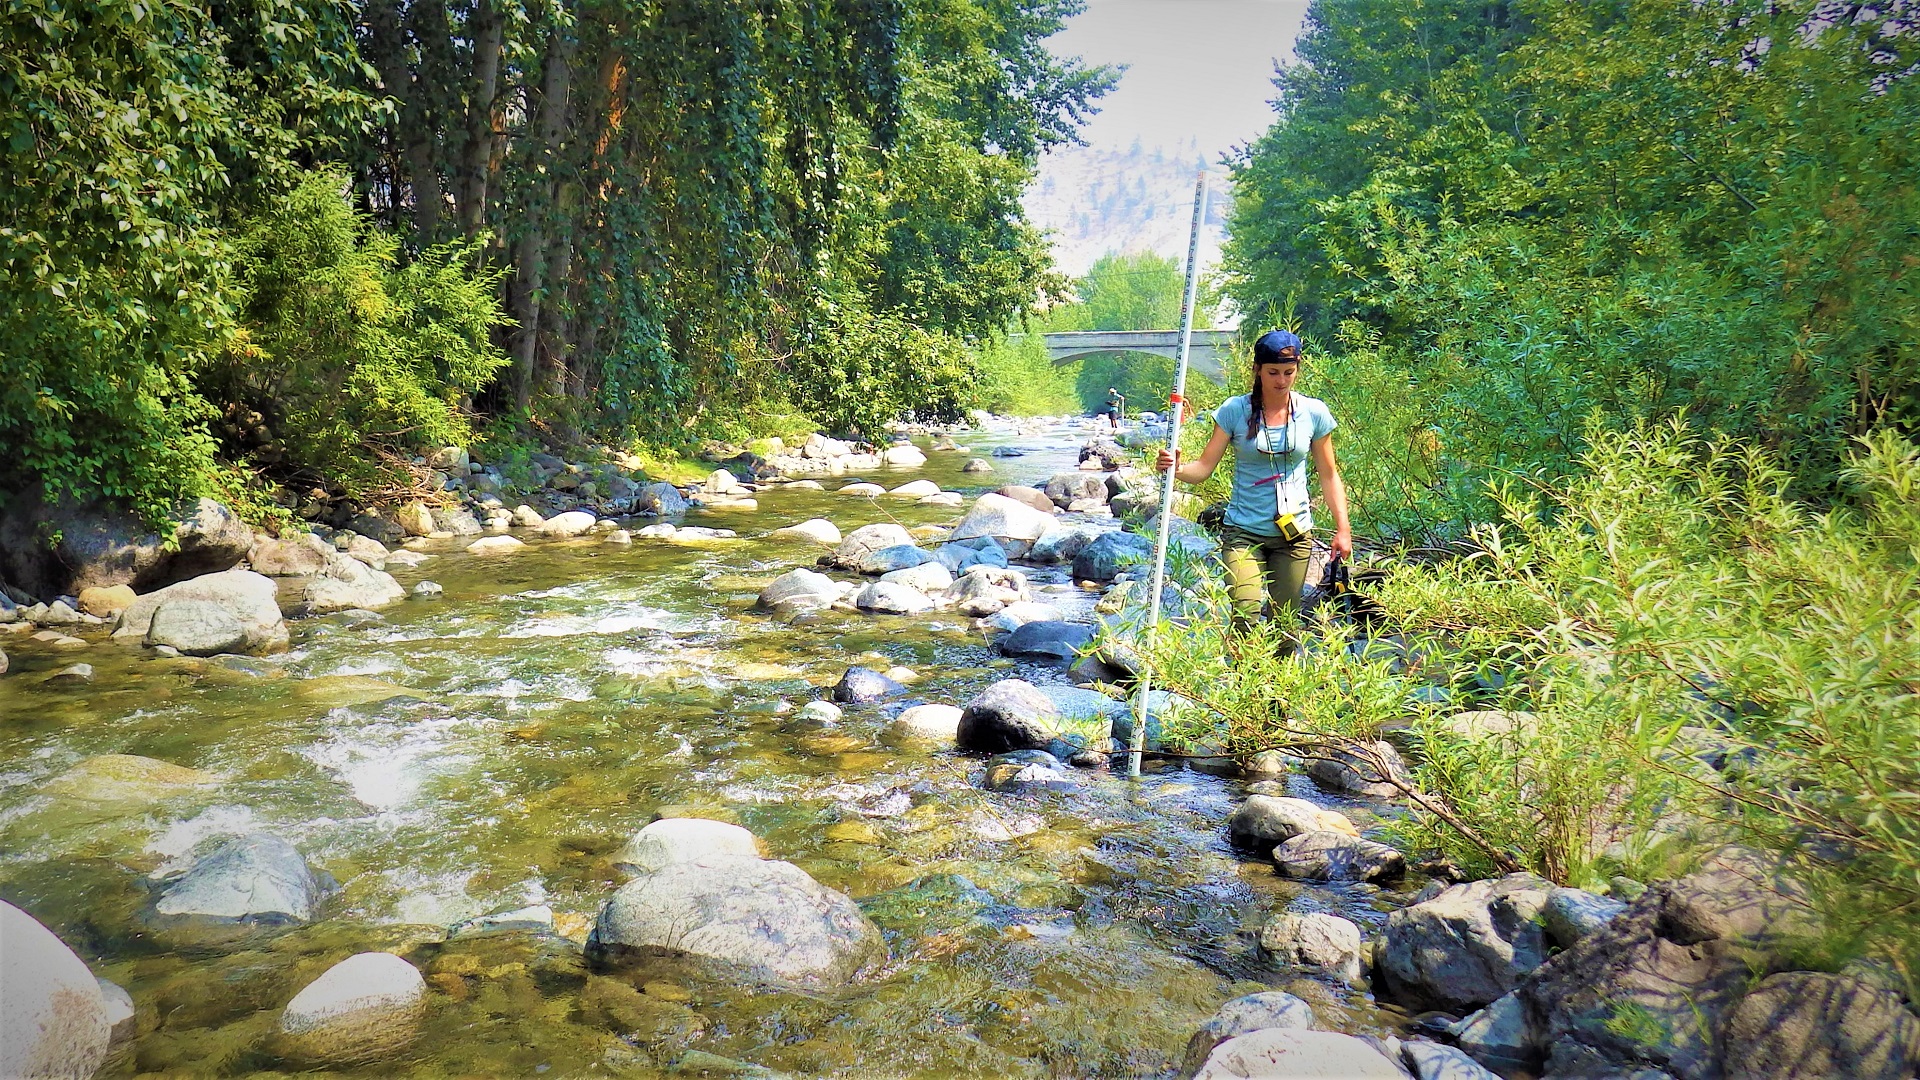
<point x="1270" y="469"/>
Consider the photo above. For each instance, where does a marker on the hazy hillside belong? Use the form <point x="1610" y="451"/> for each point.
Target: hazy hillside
<point x="1092" y="201"/>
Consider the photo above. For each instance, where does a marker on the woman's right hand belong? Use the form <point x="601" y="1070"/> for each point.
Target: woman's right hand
<point x="1165" y="460"/>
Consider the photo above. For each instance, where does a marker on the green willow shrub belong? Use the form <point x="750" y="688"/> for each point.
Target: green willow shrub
<point x="346" y="353"/>
<point x="1687" y="656"/>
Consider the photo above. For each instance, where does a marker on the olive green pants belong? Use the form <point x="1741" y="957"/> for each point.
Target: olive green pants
<point x="1265" y="569"/>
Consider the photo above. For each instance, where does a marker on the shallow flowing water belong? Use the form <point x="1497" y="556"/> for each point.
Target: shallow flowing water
<point x="494" y="748"/>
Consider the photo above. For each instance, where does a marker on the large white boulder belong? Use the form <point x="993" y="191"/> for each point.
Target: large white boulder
<point x="367" y="1007"/>
<point x="53" y="1018"/>
<point x="252" y="599"/>
<point x="571" y="523"/>
<point x="1013" y="523"/>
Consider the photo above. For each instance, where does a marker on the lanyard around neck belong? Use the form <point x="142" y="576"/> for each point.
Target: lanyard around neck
<point x="1293" y="413"/>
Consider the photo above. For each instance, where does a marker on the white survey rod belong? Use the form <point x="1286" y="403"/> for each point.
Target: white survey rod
<point x="1179" y="403"/>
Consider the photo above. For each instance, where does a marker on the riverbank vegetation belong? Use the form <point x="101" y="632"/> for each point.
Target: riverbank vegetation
<point x="1616" y="306"/>
<point x="590" y="221"/>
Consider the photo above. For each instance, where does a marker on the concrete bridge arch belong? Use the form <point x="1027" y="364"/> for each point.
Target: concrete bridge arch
<point x="1208" y="353"/>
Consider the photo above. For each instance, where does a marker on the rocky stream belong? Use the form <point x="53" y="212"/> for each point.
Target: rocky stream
<point x="649" y="789"/>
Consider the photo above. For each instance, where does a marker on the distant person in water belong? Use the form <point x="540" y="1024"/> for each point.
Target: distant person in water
<point x="1115" y="406"/>
<point x="1274" y="432"/>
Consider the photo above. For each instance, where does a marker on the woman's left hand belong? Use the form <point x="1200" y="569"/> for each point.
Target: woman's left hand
<point x="1342" y="544"/>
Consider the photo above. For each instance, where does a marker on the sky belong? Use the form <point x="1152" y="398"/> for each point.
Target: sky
<point x="1197" y="69"/>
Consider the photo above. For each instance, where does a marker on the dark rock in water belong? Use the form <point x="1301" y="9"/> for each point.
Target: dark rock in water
<point x="1008" y="451"/>
<point x="1110" y="454"/>
<point x="1110" y="553"/>
<point x="1093" y="669"/>
<point x="100" y="546"/>
<point x="1467" y="945"/>
<point x="376" y="528"/>
<point x="1012" y="714"/>
<point x="1053" y="639"/>
<point x="457" y="520"/>
<point x="747" y="465"/>
<point x="258" y="879"/>
<point x="863" y="686"/>
<point x="1323" y="855"/>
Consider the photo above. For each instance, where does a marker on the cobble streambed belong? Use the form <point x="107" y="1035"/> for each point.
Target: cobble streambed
<point x="493" y="749"/>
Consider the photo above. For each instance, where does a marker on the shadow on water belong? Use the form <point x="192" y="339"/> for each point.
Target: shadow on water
<point x="494" y="748"/>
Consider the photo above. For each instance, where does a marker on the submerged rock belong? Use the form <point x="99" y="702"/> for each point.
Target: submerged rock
<point x="258" y="879"/>
<point x="365" y="1008"/>
<point x="759" y="919"/>
<point x="126" y="779"/>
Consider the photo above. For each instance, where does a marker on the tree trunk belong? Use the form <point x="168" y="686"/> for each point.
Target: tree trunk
<point x="542" y="215"/>
<point x="477" y="157"/>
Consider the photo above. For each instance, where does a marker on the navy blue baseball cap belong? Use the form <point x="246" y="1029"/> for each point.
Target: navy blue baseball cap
<point x="1268" y="350"/>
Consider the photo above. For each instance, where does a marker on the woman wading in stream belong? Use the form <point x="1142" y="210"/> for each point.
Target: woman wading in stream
<point x="1269" y="525"/>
